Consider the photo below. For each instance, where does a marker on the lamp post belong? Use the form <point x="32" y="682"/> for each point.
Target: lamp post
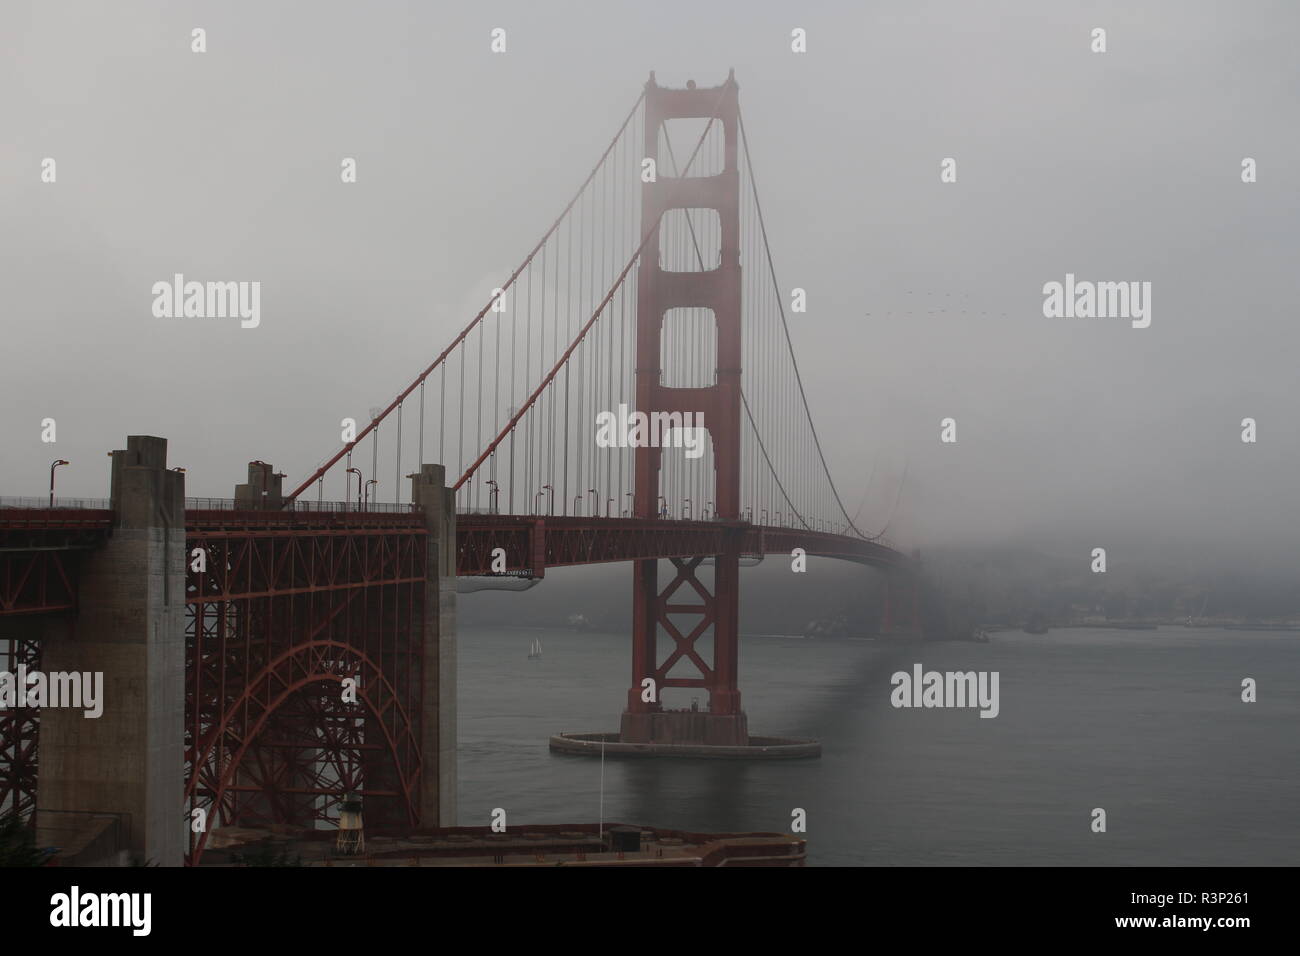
<point x="372" y="481"/>
<point x="609" y="507"/>
<point x="577" y="505"/>
<point x="595" y="502"/>
<point x="57" y="462"/>
<point x="686" y="509"/>
<point x="347" y="492"/>
<point x="494" y="491"/>
<point x="550" y="499"/>
<point x="663" y="507"/>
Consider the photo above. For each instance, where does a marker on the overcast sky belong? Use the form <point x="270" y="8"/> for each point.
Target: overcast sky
<point x="1115" y="167"/>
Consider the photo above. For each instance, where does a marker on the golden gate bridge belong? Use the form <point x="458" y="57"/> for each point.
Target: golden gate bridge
<point x="654" y="289"/>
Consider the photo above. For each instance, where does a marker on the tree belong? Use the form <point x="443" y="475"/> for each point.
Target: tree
<point x="18" y="843"/>
<point x="266" y="853"/>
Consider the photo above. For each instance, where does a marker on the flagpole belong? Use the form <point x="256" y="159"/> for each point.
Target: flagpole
<point x="600" y="832"/>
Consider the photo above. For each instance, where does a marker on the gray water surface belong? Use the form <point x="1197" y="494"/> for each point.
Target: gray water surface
<point x="1148" y="725"/>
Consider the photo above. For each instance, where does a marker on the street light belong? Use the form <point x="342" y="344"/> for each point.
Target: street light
<point x="577" y="504"/>
<point x="494" y="493"/>
<point x="595" y="505"/>
<point x="609" y="506"/>
<point x="663" y="507"/>
<point x="550" y="499"/>
<point x="372" y="481"/>
<point x="56" y="464"/>
<point x="686" y="509"/>
<point x="348" y="490"/>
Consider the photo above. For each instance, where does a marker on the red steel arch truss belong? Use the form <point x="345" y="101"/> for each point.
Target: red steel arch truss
<point x="287" y="611"/>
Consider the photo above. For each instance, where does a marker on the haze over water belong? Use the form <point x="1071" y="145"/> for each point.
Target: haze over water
<point x="1146" y="724"/>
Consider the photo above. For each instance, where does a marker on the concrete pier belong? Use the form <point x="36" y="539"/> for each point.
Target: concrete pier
<point x="131" y="629"/>
<point x="438" y="717"/>
<point x="613" y="745"/>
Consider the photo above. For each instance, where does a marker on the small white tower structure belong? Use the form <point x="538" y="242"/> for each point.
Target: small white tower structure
<point x="352" y="838"/>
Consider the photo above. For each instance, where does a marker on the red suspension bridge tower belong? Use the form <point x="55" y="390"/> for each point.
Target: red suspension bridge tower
<point x="686" y="597"/>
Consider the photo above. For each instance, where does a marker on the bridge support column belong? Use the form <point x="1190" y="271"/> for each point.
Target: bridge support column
<point x="723" y="724"/>
<point x="262" y="491"/>
<point x="717" y="288"/>
<point x="131" y="630"/>
<point x="438" y="779"/>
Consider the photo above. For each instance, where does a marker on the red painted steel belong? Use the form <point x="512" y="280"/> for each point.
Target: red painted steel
<point x="288" y="607"/>
<point x="572" y="541"/>
<point x="19" y="728"/>
<point x="40" y="555"/>
<point x="40" y="552"/>
<point x="658" y="292"/>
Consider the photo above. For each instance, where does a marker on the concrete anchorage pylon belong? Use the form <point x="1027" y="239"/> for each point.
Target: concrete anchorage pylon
<point x="438" y="781"/>
<point x="130" y="761"/>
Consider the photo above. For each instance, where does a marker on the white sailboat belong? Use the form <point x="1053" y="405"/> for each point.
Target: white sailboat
<point x="535" y="651"/>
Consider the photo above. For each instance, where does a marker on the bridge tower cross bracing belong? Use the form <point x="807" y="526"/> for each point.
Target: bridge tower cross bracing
<point x="659" y="291"/>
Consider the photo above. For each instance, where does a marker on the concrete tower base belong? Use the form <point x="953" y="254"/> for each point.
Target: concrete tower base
<point x="130" y="631"/>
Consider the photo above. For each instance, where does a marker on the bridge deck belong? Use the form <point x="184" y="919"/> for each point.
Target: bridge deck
<point x="34" y="578"/>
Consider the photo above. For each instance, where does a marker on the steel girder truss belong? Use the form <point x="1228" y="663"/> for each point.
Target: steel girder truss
<point x="673" y="601"/>
<point x="40" y="554"/>
<point x="282" y="621"/>
<point x="532" y="544"/>
<point x="290" y="605"/>
<point x="18" y="733"/>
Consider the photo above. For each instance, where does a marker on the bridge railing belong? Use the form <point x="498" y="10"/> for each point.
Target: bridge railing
<point x="75" y="504"/>
<point x="298" y="505"/>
